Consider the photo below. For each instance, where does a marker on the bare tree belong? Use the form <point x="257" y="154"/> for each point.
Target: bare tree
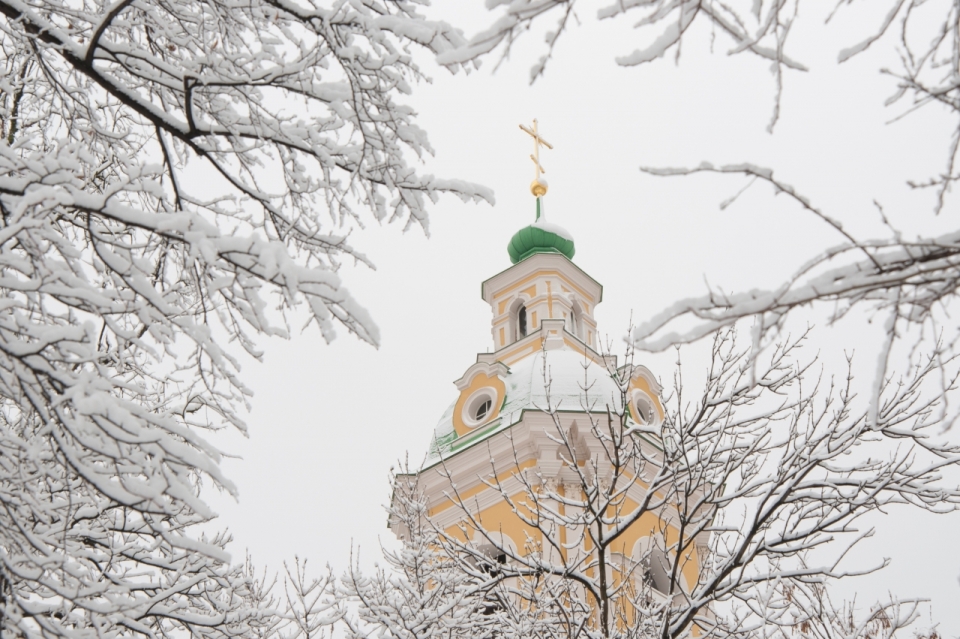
<point x="175" y="177"/>
<point x="750" y="491"/>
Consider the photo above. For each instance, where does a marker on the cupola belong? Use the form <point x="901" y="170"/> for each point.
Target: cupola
<point x="540" y="237"/>
<point x="543" y="285"/>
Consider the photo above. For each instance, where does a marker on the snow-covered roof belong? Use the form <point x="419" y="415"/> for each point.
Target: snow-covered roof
<point x="574" y="381"/>
<point x="553" y="228"/>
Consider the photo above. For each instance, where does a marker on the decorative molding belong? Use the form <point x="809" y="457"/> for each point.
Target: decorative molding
<point x="552" y="332"/>
<point x="489" y="368"/>
<point x="641" y="371"/>
<point x="577" y="278"/>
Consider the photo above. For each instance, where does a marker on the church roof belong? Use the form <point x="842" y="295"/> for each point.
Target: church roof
<point x="540" y="237"/>
<point x="576" y="383"/>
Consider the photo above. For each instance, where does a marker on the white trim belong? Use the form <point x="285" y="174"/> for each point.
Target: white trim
<point x="540" y="262"/>
<point x="487" y="393"/>
<point x="642" y="371"/>
<point x="488" y="368"/>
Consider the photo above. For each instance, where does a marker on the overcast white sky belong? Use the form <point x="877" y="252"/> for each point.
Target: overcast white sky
<point x="330" y="420"/>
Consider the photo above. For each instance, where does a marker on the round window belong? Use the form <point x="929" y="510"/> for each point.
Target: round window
<point x="479" y="407"/>
<point x="643" y="410"/>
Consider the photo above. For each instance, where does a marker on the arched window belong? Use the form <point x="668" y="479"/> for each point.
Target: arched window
<point x="575" y="320"/>
<point x="492" y="564"/>
<point x="655" y="571"/>
<point x="495" y="557"/>
<point x="654" y="567"/>
<point x="522" y="322"/>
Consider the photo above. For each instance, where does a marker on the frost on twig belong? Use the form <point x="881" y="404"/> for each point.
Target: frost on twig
<point x="908" y="282"/>
<point x="749" y="495"/>
<point x="175" y="178"/>
<point x="760" y="28"/>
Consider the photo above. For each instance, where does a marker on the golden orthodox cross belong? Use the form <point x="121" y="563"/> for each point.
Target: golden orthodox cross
<point x="535" y="156"/>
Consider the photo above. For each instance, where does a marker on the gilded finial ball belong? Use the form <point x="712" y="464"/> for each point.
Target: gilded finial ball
<point x="538" y="187"/>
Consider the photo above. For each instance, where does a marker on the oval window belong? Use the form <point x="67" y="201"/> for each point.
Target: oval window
<point x="643" y="410"/>
<point x="478" y="409"/>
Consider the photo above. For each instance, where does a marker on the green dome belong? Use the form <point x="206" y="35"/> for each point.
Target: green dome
<point x="539" y="238"/>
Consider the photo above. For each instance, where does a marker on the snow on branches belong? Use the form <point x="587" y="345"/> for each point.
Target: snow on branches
<point x="749" y="496"/>
<point x="172" y="178"/>
<point x="911" y="282"/>
<point x="759" y="28"/>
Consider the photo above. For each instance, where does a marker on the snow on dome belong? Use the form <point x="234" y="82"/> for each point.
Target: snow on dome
<point x="443" y="434"/>
<point x="556" y="229"/>
<point x="577" y="383"/>
<point x="540" y="237"/>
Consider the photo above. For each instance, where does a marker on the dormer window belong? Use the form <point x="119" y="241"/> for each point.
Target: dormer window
<point x="479" y="407"/>
<point x="522" y="322"/>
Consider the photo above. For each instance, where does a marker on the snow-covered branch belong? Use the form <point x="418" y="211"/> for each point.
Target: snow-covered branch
<point x="175" y="177"/>
<point x="748" y="494"/>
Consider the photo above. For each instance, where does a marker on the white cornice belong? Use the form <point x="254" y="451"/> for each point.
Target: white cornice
<point x="487" y="367"/>
<point x="609" y="361"/>
<point x="531" y="438"/>
<point x="642" y="371"/>
<point x="505" y="453"/>
<point x="542" y="262"/>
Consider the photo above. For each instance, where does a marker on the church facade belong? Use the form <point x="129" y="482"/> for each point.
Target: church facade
<point x="529" y="448"/>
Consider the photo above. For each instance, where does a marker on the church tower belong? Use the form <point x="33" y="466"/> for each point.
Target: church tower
<point x="527" y="427"/>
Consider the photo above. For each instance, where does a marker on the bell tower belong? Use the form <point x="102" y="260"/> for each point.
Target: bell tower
<point x="543" y="283"/>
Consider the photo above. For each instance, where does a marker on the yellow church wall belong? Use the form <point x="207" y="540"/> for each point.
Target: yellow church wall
<point x="575" y="345"/>
<point x="650" y="525"/>
<point x="499" y="518"/>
